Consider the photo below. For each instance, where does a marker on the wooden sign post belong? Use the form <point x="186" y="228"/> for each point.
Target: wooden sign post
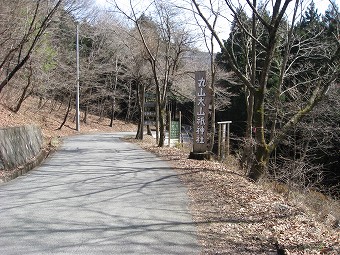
<point x="223" y="139"/>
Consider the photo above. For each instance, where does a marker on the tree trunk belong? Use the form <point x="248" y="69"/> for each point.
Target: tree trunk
<point x="128" y="114"/>
<point x="139" y="134"/>
<point x="260" y="164"/>
<point x="213" y="106"/>
<point x="247" y="155"/>
<point x="262" y="152"/>
<point x="113" y="106"/>
<point x="53" y="104"/>
<point x="85" y="114"/>
<point x="67" y="112"/>
<point x="141" y="100"/>
<point x="87" y="107"/>
<point x="101" y="110"/>
<point x="24" y="93"/>
<point x="161" y="127"/>
<point x="22" y="98"/>
<point x="148" y="130"/>
<point x="112" y="113"/>
<point x="40" y="102"/>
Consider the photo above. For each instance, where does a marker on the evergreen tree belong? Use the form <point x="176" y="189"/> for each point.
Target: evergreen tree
<point x="311" y="16"/>
<point x="331" y="20"/>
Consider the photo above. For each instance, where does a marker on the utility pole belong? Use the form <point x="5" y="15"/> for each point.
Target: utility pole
<point x="77" y="94"/>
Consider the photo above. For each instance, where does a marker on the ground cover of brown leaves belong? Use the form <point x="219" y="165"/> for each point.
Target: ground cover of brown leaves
<point x="51" y="116"/>
<point x="237" y="216"/>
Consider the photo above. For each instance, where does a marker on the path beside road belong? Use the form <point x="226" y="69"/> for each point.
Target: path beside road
<point x="97" y="195"/>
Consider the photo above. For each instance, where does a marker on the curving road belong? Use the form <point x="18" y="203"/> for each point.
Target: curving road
<point x="97" y="195"/>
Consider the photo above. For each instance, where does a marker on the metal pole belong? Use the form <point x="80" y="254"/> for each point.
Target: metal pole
<point x="219" y="141"/>
<point x="169" y="121"/>
<point x="180" y="128"/>
<point x="223" y="141"/>
<point x="157" y="120"/>
<point x="142" y="113"/>
<point x="77" y="93"/>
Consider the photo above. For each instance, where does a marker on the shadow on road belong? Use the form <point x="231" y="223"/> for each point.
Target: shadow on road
<point x="97" y="195"/>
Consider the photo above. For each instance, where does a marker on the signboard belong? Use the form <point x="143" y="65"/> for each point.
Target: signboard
<point x="201" y="113"/>
<point x="150" y="109"/>
<point x="150" y="122"/>
<point x="174" y="130"/>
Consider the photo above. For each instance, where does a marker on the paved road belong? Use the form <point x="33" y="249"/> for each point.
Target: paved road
<point x="97" y="195"/>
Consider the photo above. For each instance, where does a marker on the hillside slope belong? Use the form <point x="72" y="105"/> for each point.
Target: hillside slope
<point x="50" y="116"/>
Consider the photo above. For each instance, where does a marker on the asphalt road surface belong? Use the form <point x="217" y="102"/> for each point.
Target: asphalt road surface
<point x="97" y="195"/>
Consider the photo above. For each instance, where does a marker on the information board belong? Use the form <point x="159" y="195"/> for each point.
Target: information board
<point x="174" y="130"/>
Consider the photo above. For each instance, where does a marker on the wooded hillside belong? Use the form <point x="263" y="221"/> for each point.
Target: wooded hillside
<point x="275" y="75"/>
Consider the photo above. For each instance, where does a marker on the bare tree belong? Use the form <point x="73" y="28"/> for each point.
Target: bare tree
<point x="20" y="35"/>
<point x="164" y="43"/>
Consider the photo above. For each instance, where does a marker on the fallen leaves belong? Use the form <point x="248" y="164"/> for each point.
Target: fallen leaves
<point x="49" y="120"/>
<point x="236" y="216"/>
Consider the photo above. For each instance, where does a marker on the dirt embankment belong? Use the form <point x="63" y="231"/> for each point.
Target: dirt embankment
<point x="50" y="116"/>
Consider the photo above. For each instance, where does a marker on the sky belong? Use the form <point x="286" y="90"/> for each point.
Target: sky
<point x="222" y="29"/>
<point x="320" y="4"/>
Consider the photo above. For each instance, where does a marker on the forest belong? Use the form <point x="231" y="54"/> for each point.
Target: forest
<point x="273" y="70"/>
